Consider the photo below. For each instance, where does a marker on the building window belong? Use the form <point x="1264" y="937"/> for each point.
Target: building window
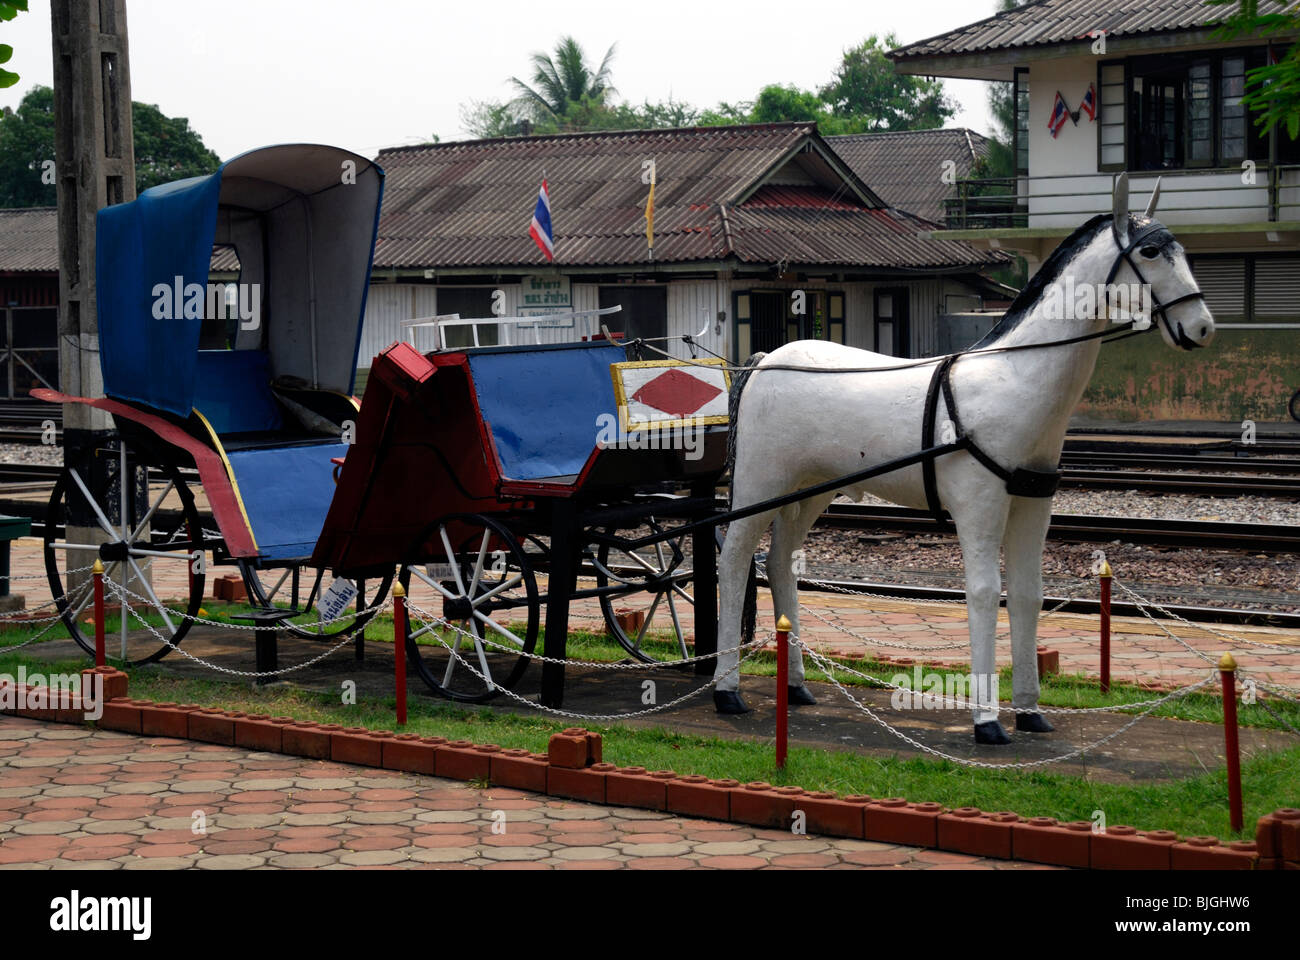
<point x="644" y="313"/>
<point x="1020" y="96"/>
<point x="765" y="319"/>
<point x="1183" y="112"/>
<point x="472" y="303"/>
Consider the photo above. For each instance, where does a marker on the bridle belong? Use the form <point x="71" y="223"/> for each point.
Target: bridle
<point x="1159" y="308"/>
<point x="1023" y="481"/>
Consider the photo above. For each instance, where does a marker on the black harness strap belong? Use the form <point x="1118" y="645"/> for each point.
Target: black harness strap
<point x="1020" y="482"/>
<point x="940" y="377"/>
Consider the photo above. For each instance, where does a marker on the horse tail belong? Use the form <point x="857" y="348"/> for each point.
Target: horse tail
<point x="733" y="409"/>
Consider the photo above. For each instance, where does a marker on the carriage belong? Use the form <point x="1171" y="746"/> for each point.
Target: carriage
<point x="479" y="472"/>
<point x="231" y="398"/>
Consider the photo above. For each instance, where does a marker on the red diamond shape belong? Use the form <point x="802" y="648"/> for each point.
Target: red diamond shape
<point x="676" y="393"/>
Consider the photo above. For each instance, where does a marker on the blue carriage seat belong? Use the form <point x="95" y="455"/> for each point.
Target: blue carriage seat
<point x="285" y="488"/>
<point x="544" y="405"/>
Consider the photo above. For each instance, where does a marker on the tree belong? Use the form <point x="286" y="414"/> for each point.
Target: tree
<point x="867" y="92"/>
<point x="562" y="82"/>
<point x="1273" y="90"/>
<point x="166" y="149"/>
<point x="8" y="10"/>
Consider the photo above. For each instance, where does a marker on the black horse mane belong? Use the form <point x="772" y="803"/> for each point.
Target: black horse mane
<point x="1048" y="273"/>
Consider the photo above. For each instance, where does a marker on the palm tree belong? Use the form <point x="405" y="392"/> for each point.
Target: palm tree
<point x="562" y="81"/>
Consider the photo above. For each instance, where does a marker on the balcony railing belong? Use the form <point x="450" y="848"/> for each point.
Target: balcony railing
<point x="1230" y="195"/>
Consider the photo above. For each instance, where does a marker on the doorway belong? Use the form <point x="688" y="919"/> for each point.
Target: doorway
<point x="893" y="327"/>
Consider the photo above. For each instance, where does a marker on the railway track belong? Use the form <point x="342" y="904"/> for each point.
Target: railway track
<point x="1210" y="534"/>
<point x="1082" y="478"/>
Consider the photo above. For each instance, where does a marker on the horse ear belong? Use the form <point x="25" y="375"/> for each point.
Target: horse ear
<point x="1155" y="198"/>
<point x="1119" y="209"/>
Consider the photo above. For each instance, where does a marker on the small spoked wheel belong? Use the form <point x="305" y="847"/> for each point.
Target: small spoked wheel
<point x="292" y="587"/>
<point x="1294" y="405"/>
<point x="654" y="618"/>
<point x="473" y="572"/>
<point x="148" y="554"/>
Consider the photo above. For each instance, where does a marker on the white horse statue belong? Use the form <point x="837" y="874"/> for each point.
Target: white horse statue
<point x="813" y="411"/>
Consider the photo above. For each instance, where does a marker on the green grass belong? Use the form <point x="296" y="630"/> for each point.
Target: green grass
<point x="1192" y="805"/>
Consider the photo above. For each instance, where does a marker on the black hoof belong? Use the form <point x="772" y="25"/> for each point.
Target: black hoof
<point x="1033" y="723"/>
<point x="991" y="733"/>
<point x="729" y="701"/>
<point x="800" y="696"/>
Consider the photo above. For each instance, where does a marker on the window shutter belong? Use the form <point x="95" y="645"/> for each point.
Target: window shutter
<point x="1110" y="117"/>
<point x="1277" y="289"/>
<point x="1223" y="281"/>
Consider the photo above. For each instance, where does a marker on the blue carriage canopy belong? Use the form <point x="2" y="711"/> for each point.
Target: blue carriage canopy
<point x="301" y="220"/>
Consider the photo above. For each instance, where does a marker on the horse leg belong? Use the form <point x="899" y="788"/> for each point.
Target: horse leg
<point x="980" y="523"/>
<point x="789" y="531"/>
<point x="1023" y="548"/>
<point x="733" y="575"/>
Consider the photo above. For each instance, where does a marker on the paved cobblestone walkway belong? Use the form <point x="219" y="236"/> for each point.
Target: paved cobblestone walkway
<point x="77" y="798"/>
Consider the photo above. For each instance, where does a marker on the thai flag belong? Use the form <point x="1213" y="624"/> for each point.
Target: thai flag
<point x="540" y="230"/>
<point x="1089" y="105"/>
<point x="1059" y="115"/>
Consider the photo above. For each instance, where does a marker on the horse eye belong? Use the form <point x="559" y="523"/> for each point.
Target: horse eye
<point x="1150" y="252"/>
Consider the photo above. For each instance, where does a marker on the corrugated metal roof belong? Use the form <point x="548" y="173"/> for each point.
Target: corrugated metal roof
<point x="1046" y="22"/>
<point x="29" y="240"/>
<point x="468" y="205"/>
<point x="905" y="167"/>
<point x="465" y="205"/>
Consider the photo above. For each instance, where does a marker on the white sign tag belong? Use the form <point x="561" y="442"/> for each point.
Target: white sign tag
<point x="442" y="572"/>
<point x="337" y="598"/>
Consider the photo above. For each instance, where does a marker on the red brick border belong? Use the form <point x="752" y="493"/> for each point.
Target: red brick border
<point x="573" y="767"/>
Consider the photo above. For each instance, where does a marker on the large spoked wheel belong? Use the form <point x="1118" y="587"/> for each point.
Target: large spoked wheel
<point x="157" y="553"/>
<point x="653" y="620"/>
<point x="472" y="571"/>
<point x="291" y="587"/>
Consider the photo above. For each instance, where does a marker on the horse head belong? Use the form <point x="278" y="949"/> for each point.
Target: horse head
<point x="1149" y="255"/>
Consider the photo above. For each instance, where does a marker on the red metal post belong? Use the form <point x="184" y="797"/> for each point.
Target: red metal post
<point x="98" y="577"/>
<point x="1228" y="674"/>
<point x="1105" y="574"/>
<point x="399" y="650"/>
<point x="782" y="690"/>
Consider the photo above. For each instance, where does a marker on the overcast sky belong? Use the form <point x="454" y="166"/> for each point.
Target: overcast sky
<point x="247" y="73"/>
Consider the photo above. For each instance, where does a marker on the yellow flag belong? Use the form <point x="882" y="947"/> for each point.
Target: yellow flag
<point x="650" y="216"/>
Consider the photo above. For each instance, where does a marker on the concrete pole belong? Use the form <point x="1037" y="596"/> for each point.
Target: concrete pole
<point x="95" y="167"/>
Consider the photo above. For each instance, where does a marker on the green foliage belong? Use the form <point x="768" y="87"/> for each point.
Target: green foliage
<point x="567" y="95"/>
<point x="563" y="82"/>
<point x="26" y="143"/>
<point x="8" y="10"/>
<point x="166" y="149"/>
<point x="867" y="93"/>
<point x="1272" y="91"/>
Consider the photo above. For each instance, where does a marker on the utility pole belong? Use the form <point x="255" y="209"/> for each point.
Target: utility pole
<point x="94" y="158"/>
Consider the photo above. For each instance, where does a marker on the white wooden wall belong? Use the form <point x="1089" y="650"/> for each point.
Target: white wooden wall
<point x="691" y="305"/>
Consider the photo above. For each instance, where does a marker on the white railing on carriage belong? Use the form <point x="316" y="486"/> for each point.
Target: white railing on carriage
<point x="442" y="322"/>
